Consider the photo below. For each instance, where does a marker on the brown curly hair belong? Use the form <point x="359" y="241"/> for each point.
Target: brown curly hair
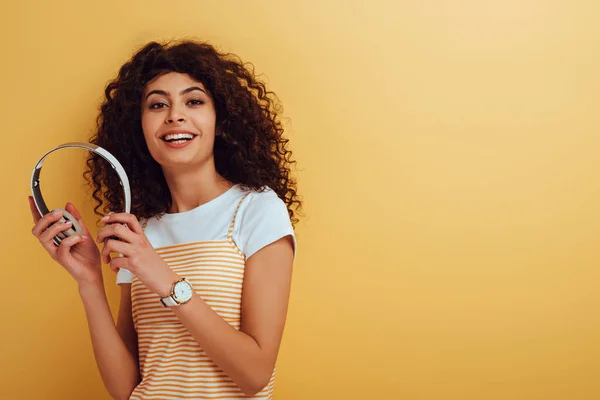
<point x="249" y="150"/>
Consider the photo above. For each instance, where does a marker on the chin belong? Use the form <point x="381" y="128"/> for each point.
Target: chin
<point x="177" y="163"/>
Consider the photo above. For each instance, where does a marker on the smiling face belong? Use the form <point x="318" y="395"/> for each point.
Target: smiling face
<point x="178" y="120"/>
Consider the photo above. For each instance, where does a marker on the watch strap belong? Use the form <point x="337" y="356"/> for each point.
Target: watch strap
<point x="169" y="301"/>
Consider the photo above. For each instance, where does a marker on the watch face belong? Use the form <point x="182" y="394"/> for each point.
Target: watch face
<point x="183" y="291"/>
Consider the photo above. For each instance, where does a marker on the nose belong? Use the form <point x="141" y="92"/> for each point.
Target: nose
<point x="175" y="115"/>
<point x="171" y="120"/>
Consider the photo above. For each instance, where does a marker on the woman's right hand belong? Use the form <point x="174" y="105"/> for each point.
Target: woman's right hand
<point x="78" y="254"/>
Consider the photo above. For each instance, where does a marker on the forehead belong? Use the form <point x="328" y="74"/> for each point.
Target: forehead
<point x="172" y="81"/>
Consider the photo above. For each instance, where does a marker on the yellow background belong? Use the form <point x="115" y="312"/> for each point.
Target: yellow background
<point x="448" y="157"/>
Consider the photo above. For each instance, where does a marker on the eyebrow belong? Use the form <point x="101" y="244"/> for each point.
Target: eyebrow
<point x="186" y="91"/>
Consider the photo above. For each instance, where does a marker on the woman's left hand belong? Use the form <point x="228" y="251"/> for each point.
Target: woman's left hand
<point x="139" y="256"/>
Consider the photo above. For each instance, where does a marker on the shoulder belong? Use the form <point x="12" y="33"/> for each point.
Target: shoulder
<point x="263" y="218"/>
<point x="263" y="208"/>
<point x="265" y="202"/>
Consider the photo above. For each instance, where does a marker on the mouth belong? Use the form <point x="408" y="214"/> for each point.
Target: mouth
<point x="178" y="138"/>
<point x="177" y="135"/>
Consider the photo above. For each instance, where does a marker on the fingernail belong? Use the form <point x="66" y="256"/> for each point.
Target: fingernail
<point x="105" y="218"/>
<point x="57" y="212"/>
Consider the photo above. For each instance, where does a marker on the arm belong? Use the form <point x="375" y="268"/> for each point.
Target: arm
<point x="247" y="356"/>
<point x="112" y="346"/>
<point x="80" y="257"/>
<point x="125" y="325"/>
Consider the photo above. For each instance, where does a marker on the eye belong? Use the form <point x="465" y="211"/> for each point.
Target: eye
<point x="157" y="106"/>
<point x="196" y="102"/>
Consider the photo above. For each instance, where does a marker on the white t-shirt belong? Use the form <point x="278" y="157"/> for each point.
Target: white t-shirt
<point x="261" y="220"/>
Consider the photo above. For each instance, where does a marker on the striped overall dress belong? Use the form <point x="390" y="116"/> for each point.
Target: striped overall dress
<point x="172" y="364"/>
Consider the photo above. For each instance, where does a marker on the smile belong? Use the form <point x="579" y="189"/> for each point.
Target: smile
<point x="179" y="143"/>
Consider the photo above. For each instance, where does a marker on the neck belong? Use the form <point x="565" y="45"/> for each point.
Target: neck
<point x="192" y="187"/>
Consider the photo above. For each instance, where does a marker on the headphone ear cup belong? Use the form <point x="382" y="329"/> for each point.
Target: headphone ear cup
<point x="74" y="229"/>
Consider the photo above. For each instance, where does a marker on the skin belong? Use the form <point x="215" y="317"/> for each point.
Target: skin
<point x="175" y="102"/>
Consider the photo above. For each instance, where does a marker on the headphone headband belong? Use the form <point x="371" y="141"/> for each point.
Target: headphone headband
<point x="35" y="177"/>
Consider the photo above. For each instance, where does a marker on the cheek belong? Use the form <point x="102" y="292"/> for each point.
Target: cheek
<point x="149" y="125"/>
<point x="206" y="125"/>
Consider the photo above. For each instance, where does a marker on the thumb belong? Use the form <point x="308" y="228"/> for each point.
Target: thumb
<point x="74" y="212"/>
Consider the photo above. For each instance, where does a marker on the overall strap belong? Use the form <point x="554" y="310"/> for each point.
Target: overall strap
<point x="230" y="232"/>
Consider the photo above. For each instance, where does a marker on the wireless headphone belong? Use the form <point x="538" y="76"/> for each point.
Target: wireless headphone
<point x="39" y="200"/>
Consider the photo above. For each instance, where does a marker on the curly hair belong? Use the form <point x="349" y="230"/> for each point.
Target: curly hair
<point x="250" y="149"/>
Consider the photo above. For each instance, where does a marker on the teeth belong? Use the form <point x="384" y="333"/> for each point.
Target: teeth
<point x="178" y="136"/>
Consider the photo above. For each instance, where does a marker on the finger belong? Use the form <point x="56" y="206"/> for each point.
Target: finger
<point x="121" y="231"/>
<point x="46" y="221"/>
<point x="124" y="218"/>
<point x="70" y="207"/>
<point x="116" y="246"/>
<point x="34" y="211"/>
<point x="64" y="250"/>
<point x="46" y="238"/>
<point x="117" y="263"/>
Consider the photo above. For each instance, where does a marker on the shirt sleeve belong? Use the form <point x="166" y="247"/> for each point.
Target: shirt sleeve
<point x="264" y="220"/>
<point x="124" y="276"/>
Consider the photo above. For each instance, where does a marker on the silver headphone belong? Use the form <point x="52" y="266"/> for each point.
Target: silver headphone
<point x="39" y="200"/>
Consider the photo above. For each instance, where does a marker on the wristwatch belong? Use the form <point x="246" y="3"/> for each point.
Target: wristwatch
<point x="181" y="293"/>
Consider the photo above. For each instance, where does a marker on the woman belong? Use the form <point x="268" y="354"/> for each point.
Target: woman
<point x="206" y="253"/>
